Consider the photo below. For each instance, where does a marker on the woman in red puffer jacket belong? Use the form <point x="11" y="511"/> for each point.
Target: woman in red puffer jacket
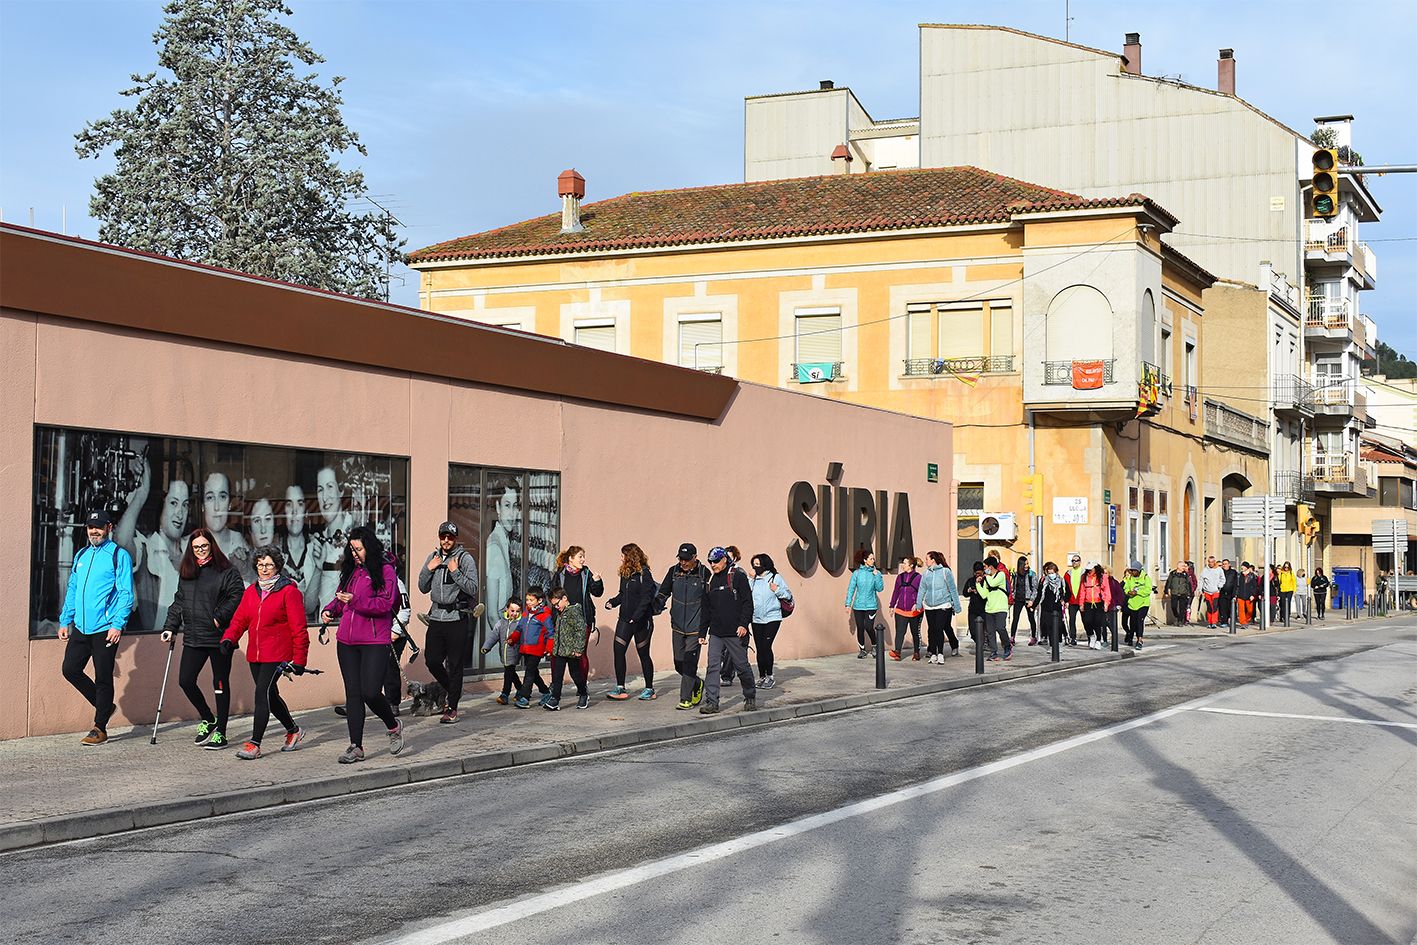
<point x="273" y="610"/>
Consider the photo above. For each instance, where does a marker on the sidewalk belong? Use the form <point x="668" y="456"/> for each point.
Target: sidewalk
<point x="55" y="789"/>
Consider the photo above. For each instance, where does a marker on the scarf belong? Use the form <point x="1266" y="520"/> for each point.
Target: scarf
<point x="1053" y="584"/>
<point x="266" y="586"/>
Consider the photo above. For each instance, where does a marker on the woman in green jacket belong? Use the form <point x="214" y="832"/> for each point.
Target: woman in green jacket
<point x="1136" y="590"/>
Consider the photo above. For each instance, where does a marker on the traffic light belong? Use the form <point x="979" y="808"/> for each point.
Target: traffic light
<point x="1308" y="525"/>
<point x="1033" y="493"/>
<point x="1323" y="198"/>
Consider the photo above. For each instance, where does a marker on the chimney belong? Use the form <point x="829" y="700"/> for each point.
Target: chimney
<point x="843" y="154"/>
<point x="826" y="84"/>
<point x="1225" y="72"/>
<point x="571" y="186"/>
<point x="1131" y="52"/>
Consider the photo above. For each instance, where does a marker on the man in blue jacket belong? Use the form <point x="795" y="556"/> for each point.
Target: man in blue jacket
<point x="97" y="604"/>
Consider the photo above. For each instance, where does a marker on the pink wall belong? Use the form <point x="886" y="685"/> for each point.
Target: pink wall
<point x="626" y="476"/>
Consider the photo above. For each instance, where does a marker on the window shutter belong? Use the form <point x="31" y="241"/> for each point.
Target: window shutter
<point x="918" y="317"/>
<point x="596" y="335"/>
<point x="707" y="335"/>
<point x="818" y="337"/>
<point x="961" y="331"/>
<point x="1001" y="329"/>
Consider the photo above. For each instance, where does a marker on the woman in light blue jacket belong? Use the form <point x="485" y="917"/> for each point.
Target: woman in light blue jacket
<point x="861" y="598"/>
<point x="769" y="593"/>
<point x="940" y="595"/>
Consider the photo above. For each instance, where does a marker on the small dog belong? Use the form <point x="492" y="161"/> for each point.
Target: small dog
<point x="428" y="698"/>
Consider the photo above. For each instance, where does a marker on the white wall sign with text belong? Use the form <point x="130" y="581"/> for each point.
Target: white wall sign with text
<point x="1070" y="510"/>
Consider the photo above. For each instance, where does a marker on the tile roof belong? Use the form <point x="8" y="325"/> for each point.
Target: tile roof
<point x="780" y="209"/>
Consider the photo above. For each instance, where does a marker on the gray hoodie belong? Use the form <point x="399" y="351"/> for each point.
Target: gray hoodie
<point x="453" y="593"/>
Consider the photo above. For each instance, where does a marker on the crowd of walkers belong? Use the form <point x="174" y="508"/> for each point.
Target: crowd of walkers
<point x="715" y="605"/>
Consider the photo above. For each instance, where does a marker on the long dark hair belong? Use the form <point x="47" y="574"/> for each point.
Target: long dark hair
<point x="373" y="558"/>
<point x="766" y="561"/>
<point x="189" y="567"/>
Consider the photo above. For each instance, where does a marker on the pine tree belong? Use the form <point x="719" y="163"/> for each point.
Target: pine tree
<point x="231" y="158"/>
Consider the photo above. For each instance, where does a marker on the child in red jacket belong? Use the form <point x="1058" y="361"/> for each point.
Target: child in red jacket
<point x="273" y="610"/>
<point x="534" y="636"/>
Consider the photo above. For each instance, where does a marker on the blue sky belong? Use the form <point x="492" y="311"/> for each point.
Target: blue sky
<point x="470" y="109"/>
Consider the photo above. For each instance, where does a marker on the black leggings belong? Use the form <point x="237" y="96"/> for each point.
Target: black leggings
<point x="1052" y="623"/>
<point x="904" y="623"/>
<point x="559" y="665"/>
<point x="531" y="670"/>
<point x="1019" y="608"/>
<point x="939" y="624"/>
<point x="638" y="633"/>
<point x="763" y="635"/>
<point x="865" y="627"/>
<point x="1094" y="620"/>
<point x="268" y="700"/>
<point x="193" y="659"/>
<point x="363" y="666"/>
<point x="1135" y="623"/>
<point x="443" y="652"/>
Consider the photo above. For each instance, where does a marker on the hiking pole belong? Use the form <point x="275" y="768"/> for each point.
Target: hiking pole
<point x="162" y="693"/>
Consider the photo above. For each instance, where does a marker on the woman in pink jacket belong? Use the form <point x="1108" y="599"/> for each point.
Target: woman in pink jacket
<point x="364" y="606"/>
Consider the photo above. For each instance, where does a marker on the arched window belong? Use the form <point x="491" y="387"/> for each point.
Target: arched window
<point x="1079" y="325"/>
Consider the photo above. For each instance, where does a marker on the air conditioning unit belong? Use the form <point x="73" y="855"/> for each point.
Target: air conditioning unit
<point x="998" y="526"/>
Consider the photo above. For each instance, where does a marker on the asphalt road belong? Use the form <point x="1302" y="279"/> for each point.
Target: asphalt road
<point x="1024" y="815"/>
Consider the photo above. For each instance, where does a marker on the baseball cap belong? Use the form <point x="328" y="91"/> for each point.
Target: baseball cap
<point x="717" y="554"/>
<point x="448" y="528"/>
<point x="1090" y="565"/>
<point x="687" y="551"/>
<point x="1136" y="565"/>
<point x="99" y="518"/>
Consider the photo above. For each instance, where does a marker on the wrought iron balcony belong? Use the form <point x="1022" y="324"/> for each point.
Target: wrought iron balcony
<point x="833" y="372"/>
<point x="1293" y="486"/>
<point x="1151" y="374"/>
<point x="930" y="367"/>
<point x="1061" y="372"/>
<point x="1235" y="426"/>
<point x="1293" y="394"/>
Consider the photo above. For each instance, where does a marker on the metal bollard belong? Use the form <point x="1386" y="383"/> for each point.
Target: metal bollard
<point x="978" y="624"/>
<point x="1234" y="614"/>
<point x="1054" y="635"/>
<point x="880" y="656"/>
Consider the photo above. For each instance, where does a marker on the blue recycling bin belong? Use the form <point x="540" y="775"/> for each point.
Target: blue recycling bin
<point x="1348" y="582"/>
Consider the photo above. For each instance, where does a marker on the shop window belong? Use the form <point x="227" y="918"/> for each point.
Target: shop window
<point x="701" y="341"/>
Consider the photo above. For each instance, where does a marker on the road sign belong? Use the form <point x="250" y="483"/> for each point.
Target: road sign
<point x="1106" y="496"/>
<point x="932" y="472"/>
<point x="1111" y="525"/>
<point x="1390" y="536"/>
<point x="1258" y="516"/>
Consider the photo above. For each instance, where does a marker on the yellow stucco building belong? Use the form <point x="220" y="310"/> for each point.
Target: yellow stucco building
<point x="950" y="293"/>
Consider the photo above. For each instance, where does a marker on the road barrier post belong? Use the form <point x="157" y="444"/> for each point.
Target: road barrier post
<point x="1055" y="632"/>
<point x="880" y="656"/>
<point x="978" y="625"/>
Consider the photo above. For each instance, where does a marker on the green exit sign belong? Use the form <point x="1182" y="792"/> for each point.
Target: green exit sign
<point x="1106" y="496"/>
<point x="932" y="472"/>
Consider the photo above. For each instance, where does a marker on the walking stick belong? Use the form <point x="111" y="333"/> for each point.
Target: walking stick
<point x="162" y="693"/>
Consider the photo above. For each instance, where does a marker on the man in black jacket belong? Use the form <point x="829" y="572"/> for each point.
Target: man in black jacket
<point x="1227" y="592"/>
<point x="729" y="607"/>
<point x="687" y="583"/>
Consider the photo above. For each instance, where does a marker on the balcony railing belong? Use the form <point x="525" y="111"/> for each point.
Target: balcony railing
<point x="1367" y="262"/>
<point x="1327" y="238"/>
<point x="1333" y="467"/>
<point x="711" y="369"/>
<point x="1280" y="285"/>
<point x="1293" y="486"/>
<point x="1331" y="391"/>
<point x="1325" y="314"/>
<point x="1293" y="393"/>
<point x="1151" y="375"/>
<point x="930" y="367"/>
<point x="1061" y="372"/>
<point x="800" y="374"/>
<point x="1235" y="426"/>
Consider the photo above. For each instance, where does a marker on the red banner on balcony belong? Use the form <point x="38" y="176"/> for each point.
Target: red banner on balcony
<point x="1088" y="375"/>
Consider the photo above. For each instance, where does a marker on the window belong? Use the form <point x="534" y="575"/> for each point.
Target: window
<point x="596" y="333"/>
<point x="1079" y="325"/>
<point x="1164" y="361"/>
<point x="818" y="336"/>
<point x="1001" y="328"/>
<point x="969" y="544"/>
<point x="701" y="341"/>
<point x="1189" y="366"/>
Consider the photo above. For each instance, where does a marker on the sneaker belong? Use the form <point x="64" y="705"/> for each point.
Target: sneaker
<point x="767" y="682"/>
<point x="698" y="694"/>
<point x="96" y="736"/>
<point x="750" y="705"/>
<point x="1033" y="641"/>
<point x="545" y="698"/>
<point x="522" y="703"/>
<point x="861" y="653"/>
<point x="708" y="709"/>
<point x="618" y="693"/>
<point x="293" y="740"/>
<point x="351" y="754"/>
<point x="583" y="701"/>
<point x="894" y="655"/>
<point x="396" y="738"/>
<point x="217" y="742"/>
<point x="450" y="717"/>
<point x="686" y="704"/>
<point x="1138" y="646"/>
<point x="551" y="705"/>
<point x="953" y="652"/>
<point x="1009" y="653"/>
<point x="340" y="710"/>
<point x="248" y="751"/>
<point x="916" y="657"/>
<point x="646" y="694"/>
<point x="992" y="659"/>
<point x="503" y="699"/>
<point x="204" y="732"/>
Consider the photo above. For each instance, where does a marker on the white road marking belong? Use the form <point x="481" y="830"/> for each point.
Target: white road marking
<point x="610" y="882"/>
<point x="1311" y="718"/>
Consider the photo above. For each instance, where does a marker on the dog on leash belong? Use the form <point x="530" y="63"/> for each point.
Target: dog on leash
<point x="428" y="698"/>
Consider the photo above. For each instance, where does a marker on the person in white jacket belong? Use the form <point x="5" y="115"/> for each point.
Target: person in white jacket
<point x="770" y="592"/>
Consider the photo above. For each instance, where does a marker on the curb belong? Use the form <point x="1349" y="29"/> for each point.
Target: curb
<point x="100" y="823"/>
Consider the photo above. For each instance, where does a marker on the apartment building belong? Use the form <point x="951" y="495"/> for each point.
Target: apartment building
<point x="1282" y="381"/>
<point x="1029" y="316"/>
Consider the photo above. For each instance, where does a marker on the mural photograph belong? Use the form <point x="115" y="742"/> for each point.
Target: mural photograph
<point x="158" y="489"/>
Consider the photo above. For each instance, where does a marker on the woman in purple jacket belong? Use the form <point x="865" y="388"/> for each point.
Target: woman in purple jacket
<point x="905" y="601"/>
<point x="364" y="606"/>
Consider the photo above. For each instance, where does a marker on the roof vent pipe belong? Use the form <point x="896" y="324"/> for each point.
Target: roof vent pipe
<point x="1225" y="72"/>
<point x="826" y="84"/>
<point x="1131" y="54"/>
<point x="571" y="186"/>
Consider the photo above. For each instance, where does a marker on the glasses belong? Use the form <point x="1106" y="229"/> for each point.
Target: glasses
<point x="265" y="565"/>
<point x="201" y="547"/>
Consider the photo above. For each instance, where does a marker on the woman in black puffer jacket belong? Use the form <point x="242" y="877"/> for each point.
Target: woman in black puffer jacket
<point x="208" y="591"/>
<point x="636" y="625"/>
